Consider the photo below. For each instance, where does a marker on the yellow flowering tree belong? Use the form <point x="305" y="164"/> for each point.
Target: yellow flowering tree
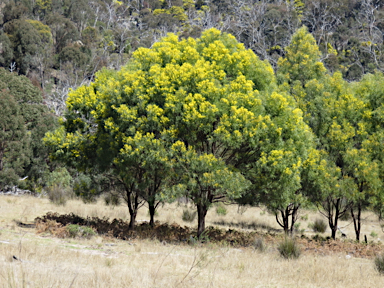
<point x="338" y="117"/>
<point x="198" y="115"/>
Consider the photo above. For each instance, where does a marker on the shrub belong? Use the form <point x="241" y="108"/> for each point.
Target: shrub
<point x="80" y="231"/>
<point x="188" y="215"/>
<point x="289" y="249"/>
<point x="259" y="244"/>
<point x="221" y="210"/>
<point x="379" y="263"/>
<point x="58" y="194"/>
<point x="319" y="226"/>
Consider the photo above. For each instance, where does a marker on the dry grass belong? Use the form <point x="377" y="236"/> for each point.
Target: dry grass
<point x="47" y="261"/>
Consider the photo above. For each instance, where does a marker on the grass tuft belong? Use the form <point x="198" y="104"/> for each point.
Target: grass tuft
<point x="221" y="210"/>
<point x="379" y="263"/>
<point x="188" y="215"/>
<point x="289" y="249"/>
<point x="319" y="226"/>
<point x="259" y="244"/>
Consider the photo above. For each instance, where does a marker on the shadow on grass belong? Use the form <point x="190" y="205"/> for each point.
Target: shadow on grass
<point x="246" y="225"/>
<point x="172" y="233"/>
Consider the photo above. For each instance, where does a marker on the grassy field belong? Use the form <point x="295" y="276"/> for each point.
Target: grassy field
<point x="47" y="261"/>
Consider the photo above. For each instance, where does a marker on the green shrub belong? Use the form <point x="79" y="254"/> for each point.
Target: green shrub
<point x="221" y="210"/>
<point x="373" y="234"/>
<point x="379" y="263"/>
<point x="188" y="215"/>
<point x="80" y="231"/>
<point x="319" y="226"/>
<point x="289" y="249"/>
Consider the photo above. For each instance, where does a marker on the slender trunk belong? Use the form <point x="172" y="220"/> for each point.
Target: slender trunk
<point x="285" y="220"/>
<point x="357" y="221"/>
<point x="152" y="210"/>
<point x="201" y="213"/>
<point x="333" y="222"/>
<point x="132" y="220"/>
<point x="295" y="209"/>
<point x="132" y="208"/>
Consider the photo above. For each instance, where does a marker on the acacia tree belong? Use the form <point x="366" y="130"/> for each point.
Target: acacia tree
<point x="202" y="108"/>
<point x="337" y="117"/>
<point x="369" y="159"/>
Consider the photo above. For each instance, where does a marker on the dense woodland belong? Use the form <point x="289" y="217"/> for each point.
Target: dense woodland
<point x="290" y="119"/>
<point x="60" y="44"/>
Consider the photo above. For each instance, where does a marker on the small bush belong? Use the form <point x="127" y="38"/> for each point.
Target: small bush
<point x="59" y="195"/>
<point x="259" y="244"/>
<point x="188" y="215"/>
<point x="80" y="231"/>
<point x="221" y="210"/>
<point x="373" y="234"/>
<point x="289" y="249"/>
<point x="319" y="226"/>
<point x="379" y="263"/>
<point x="304" y="217"/>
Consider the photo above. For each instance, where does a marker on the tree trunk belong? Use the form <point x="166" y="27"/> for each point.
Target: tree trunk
<point x="132" y="208"/>
<point x="201" y="213"/>
<point x="132" y="220"/>
<point x="290" y="211"/>
<point x="294" y="212"/>
<point x="357" y="221"/>
<point x="152" y="210"/>
<point x="333" y="222"/>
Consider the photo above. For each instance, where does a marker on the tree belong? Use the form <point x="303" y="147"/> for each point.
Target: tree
<point x="12" y="140"/>
<point x="202" y="108"/>
<point x="24" y="38"/>
<point x="369" y="165"/>
<point x="301" y="61"/>
<point x="339" y="119"/>
<point x="30" y="156"/>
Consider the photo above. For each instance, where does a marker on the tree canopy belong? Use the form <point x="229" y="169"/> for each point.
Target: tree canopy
<point x="207" y="103"/>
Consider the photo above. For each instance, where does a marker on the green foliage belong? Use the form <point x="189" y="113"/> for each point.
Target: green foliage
<point x="59" y="186"/>
<point x="87" y="188"/>
<point x="75" y="231"/>
<point x="31" y="155"/>
<point x="221" y="210"/>
<point x="13" y="139"/>
<point x="197" y="108"/>
<point x="302" y="59"/>
<point x="289" y="249"/>
<point x="6" y="50"/>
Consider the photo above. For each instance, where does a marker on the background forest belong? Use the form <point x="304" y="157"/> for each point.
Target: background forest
<point x="60" y="44"/>
<point x="324" y="69"/>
